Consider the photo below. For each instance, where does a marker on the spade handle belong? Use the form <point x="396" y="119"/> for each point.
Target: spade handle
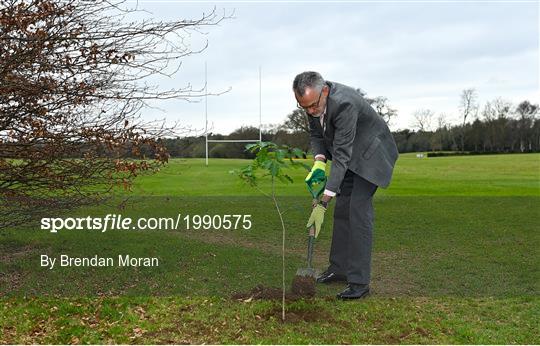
<point x="311" y="240"/>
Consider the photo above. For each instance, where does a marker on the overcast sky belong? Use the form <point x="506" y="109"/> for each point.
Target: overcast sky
<point x="417" y="54"/>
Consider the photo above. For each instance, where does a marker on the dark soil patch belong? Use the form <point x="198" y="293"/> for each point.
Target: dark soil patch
<point x="303" y="286"/>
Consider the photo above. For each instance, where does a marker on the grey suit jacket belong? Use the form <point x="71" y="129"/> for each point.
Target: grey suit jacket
<point x="355" y="138"/>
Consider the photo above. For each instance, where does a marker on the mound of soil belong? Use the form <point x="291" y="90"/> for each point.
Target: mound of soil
<point x="303" y="286"/>
<point x="301" y="289"/>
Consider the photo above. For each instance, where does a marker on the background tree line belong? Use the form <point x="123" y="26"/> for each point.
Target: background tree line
<point x="498" y="127"/>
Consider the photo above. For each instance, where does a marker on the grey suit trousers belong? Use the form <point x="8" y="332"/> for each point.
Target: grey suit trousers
<point x="352" y="236"/>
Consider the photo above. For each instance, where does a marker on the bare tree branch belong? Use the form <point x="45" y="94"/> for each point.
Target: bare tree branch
<point x="73" y="81"/>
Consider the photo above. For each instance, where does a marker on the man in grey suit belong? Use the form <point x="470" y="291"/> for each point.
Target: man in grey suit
<point x="345" y="129"/>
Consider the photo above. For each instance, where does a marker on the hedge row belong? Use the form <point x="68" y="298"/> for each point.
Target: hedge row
<point x="466" y="153"/>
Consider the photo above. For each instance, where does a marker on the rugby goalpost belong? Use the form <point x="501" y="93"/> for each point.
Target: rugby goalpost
<point x="206" y="117"/>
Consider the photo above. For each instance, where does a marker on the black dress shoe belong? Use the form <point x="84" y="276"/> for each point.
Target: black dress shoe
<point x="329" y="276"/>
<point x="354" y="291"/>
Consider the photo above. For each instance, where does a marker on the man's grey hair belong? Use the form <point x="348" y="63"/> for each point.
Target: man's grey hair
<point x="307" y="79"/>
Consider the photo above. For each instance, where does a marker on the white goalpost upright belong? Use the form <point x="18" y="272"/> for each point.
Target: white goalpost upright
<point x="206" y="116"/>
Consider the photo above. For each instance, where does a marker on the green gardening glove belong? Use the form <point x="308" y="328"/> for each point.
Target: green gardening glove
<point x="317" y="173"/>
<point x="316" y="218"/>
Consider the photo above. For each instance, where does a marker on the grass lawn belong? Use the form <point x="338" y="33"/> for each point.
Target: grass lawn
<point x="455" y="260"/>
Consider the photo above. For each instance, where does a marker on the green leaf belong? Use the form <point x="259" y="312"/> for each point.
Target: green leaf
<point x="298" y="153"/>
<point x="271" y="158"/>
<point x="280" y="154"/>
<point x="252" y="148"/>
<point x="285" y="178"/>
<point x="274" y="168"/>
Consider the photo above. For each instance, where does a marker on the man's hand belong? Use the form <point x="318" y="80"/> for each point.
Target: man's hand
<point x="317" y="173"/>
<point x="316" y="219"/>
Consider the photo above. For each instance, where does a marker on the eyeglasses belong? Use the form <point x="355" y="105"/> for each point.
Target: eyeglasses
<point x="313" y="105"/>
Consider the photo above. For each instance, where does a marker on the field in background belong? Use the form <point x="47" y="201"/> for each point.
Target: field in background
<point x="490" y="175"/>
<point x="455" y="261"/>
